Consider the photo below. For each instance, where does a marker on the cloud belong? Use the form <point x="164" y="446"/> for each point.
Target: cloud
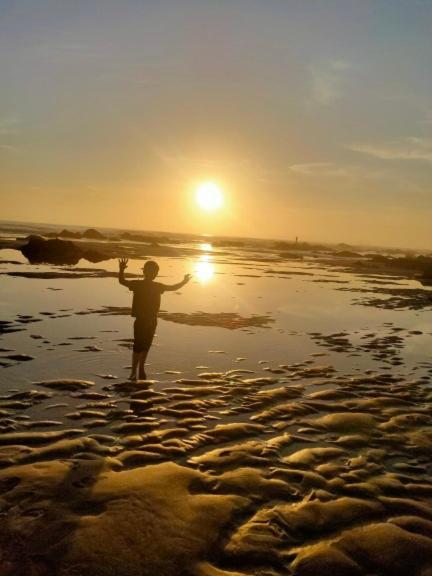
<point x="332" y="170"/>
<point x="9" y="125"/>
<point x="326" y="81"/>
<point x="318" y="169"/>
<point x="412" y="148"/>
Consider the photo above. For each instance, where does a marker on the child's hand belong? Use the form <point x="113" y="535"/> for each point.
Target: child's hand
<point x="123" y="262"/>
<point x="187" y="277"/>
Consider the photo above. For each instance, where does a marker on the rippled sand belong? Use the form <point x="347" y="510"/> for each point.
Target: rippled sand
<point x="299" y="470"/>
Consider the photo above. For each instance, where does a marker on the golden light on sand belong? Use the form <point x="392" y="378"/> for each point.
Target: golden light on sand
<point x="209" y="196"/>
<point x="204" y="269"/>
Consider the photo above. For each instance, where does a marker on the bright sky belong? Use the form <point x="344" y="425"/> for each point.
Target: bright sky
<point x="313" y="116"/>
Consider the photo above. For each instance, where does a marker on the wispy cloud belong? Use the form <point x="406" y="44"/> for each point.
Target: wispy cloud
<point x="9" y="125"/>
<point x="318" y="169"/>
<point x="327" y="81"/>
<point x="333" y="170"/>
<point x="412" y="148"/>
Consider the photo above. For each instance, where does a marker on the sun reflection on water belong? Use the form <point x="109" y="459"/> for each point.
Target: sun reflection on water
<point x="206" y="247"/>
<point x="204" y="269"/>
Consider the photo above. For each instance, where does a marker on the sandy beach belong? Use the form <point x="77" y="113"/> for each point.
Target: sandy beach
<point x="215" y="288"/>
<point x="285" y="427"/>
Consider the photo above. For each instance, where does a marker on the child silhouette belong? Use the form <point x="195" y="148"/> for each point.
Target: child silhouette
<point x="145" y="307"/>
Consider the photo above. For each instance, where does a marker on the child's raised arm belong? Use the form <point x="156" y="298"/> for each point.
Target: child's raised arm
<point x="173" y="287"/>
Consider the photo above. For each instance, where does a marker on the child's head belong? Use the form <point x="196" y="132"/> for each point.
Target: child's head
<point x="150" y="269"/>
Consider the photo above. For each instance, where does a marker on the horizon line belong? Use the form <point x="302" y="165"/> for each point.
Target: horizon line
<point x="204" y="234"/>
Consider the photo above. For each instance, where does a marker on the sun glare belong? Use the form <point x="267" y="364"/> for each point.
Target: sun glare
<point x="204" y="269"/>
<point x="206" y="247"/>
<point x="209" y="196"/>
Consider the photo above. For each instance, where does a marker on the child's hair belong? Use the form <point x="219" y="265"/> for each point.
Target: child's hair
<point x="151" y="268"/>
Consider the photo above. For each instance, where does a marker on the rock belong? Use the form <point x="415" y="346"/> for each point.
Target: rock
<point x="93" y="234"/>
<point x="68" y="234"/>
<point x="56" y="251"/>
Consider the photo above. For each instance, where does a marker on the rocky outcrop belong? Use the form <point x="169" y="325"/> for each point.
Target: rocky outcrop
<point x="426" y="278"/>
<point x="56" y="251"/>
<point x="93" y="234"/>
<point x="90" y="233"/>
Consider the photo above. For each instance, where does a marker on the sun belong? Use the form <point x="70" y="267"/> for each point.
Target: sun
<point x="209" y="196"/>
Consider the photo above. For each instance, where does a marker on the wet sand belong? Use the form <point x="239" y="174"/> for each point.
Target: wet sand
<point x="303" y="471"/>
<point x="305" y="461"/>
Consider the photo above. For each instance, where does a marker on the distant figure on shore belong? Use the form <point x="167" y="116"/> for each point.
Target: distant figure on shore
<point x="145" y="308"/>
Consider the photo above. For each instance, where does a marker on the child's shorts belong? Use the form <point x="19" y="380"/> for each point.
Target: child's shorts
<point x="144" y="331"/>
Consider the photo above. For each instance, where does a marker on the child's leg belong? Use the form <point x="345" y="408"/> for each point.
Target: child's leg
<point x="135" y="361"/>
<point x="137" y="347"/>
<point x="142" y="359"/>
<point x="148" y="334"/>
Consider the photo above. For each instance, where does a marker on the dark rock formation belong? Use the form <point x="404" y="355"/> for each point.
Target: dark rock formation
<point x="68" y="234"/>
<point x="57" y="251"/>
<point x="90" y="233"/>
<point x="426" y="279"/>
<point x="93" y="234"/>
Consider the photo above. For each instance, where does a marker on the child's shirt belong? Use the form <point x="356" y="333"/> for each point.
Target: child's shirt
<point x="146" y="298"/>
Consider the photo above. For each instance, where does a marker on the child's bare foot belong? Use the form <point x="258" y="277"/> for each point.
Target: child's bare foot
<point x="132" y="376"/>
<point x="142" y="376"/>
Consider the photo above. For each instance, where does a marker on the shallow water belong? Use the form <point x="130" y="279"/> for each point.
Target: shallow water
<point x="298" y="304"/>
<point x="331" y="417"/>
<point x="301" y="299"/>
